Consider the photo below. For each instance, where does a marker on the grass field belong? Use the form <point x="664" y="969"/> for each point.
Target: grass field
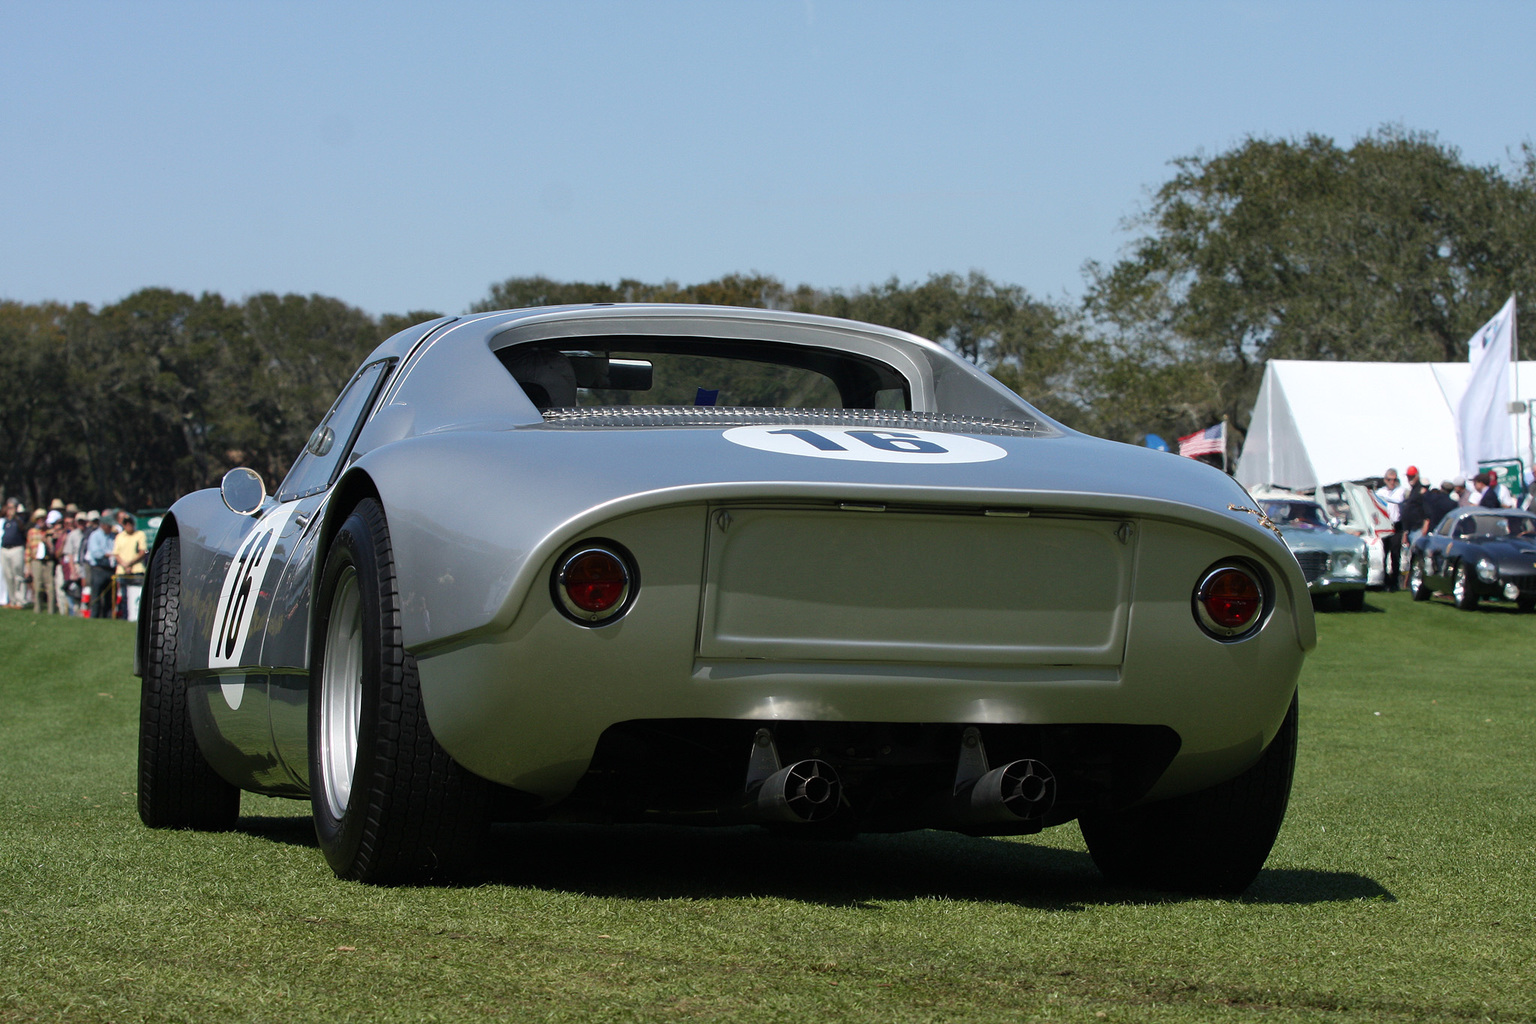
<point x="1403" y="886"/>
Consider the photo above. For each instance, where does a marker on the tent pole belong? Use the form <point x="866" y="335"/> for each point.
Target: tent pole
<point x="1514" y="344"/>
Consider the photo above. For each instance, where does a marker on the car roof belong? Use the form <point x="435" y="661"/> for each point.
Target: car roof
<point x="450" y="376"/>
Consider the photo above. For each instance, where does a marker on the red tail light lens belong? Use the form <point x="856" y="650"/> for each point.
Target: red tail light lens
<point x="593" y="583"/>
<point x="1229" y="602"/>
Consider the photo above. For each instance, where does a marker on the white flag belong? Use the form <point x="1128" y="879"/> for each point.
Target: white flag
<point x="1484" y="427"/>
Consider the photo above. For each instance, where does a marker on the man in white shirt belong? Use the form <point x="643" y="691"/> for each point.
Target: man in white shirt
<point x="1391" y="494"/>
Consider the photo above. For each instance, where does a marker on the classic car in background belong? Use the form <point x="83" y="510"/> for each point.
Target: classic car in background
<point x="714" y="565"/>
<point x="1477" y="554"/>
<point x="1332" y="561"/>
<point x="1354" y="508"/>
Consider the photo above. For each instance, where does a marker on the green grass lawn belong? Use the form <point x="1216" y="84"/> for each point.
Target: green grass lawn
<point x="1403" y="885"/>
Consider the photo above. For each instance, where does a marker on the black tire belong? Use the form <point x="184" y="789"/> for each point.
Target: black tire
<point x="1352" y="600"/>
<point x="177" y="786"/>
<point x="1211" y="842"/>
<point x="393" y="807"/>
<point x="1418" y="582"/>
<point x="1463" y="589"/>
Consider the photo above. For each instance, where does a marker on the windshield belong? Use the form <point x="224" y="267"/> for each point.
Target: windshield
<point x="1296" y="513"/>
<point x="1495" y="525"/>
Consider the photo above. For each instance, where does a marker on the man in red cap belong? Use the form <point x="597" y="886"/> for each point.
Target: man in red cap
<point x="1413" y="504"/>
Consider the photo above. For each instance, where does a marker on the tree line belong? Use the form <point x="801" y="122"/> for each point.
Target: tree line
<point x="1391" y="249"/>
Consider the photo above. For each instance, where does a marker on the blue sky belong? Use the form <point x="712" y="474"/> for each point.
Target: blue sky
<point x="404" y="156"/>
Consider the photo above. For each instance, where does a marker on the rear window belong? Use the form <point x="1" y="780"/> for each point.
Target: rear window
<point x="648" y="371"/>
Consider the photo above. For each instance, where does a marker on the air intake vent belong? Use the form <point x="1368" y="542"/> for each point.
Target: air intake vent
<point x="731" y="416"/>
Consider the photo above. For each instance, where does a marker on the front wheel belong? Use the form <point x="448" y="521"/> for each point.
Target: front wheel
<point x="1212" y="841"/>
<point x="1463" y="590"/>
<point x="390" y="805"/>
<point x="1352" y="600"/>
<point x="1418" y="583"/>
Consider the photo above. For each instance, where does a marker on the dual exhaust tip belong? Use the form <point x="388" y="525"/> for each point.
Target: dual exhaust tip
<point x="806" y="791"/>
<point x="810" y="790"/>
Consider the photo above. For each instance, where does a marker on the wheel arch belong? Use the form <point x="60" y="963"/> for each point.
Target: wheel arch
<point x="354" y="486"/>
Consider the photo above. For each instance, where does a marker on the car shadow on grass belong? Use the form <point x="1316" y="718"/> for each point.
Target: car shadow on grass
<point x="660" y="863"/>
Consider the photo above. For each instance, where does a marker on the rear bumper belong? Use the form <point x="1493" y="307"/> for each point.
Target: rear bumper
<point x="528" y="706"/>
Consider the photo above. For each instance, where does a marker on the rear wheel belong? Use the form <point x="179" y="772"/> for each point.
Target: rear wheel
<point x="177" y="786"/>
<point x="1418" y="583"/>
<point x="1462" y="589"/>
<point x="1212" y="841"/>
<point x="389" y="804"/>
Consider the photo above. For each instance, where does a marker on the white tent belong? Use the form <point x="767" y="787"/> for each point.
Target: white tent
<point x="1320" y="422"/>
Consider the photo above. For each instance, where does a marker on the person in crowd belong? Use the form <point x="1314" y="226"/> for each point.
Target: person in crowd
<point x="13" y="552"/>
<point x="1487" y="491"/>
<point x="52" y="601"/>
<point x="87" y="527"/>
<point x="52" y="535"/>
<point x="98" y="555"/>
<point x="40" y="562"/>
<point x="1437" y="503"/>
<point x="129" y="551"/>
<point x="1391" y="494"/>
<point x="1460" y="493"/>
<point x="1413" y="504"/>
<point x="1506" y="499"/>
<point x="70" y="549"/>
<point x="1529" y="501"/>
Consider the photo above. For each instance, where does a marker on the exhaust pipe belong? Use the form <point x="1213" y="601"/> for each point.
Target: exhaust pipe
<point x="805" y="791"/>
<point x="1019" y="791"/>
<point x="1023" y="790"/>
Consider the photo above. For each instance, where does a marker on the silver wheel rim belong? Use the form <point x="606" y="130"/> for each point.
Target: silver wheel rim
<point x="1459" y="588"/>
<point x="1416" y="576"/>
<point x="341" y="692"/>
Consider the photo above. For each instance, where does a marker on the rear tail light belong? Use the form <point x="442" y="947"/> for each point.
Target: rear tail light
<point x="1229" y="601"/>
<point x="594" y="582"/>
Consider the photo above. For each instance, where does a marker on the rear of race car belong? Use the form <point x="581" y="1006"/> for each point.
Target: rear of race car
<point x="870" y="650"/>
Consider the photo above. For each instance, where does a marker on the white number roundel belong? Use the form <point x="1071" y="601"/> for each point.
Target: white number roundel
<point x="866" y="444"/>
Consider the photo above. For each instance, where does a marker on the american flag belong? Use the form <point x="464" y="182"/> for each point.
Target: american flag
<point x="1210" y="441"/>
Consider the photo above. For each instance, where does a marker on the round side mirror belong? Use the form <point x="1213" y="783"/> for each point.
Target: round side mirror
<point x="242" y="491"/>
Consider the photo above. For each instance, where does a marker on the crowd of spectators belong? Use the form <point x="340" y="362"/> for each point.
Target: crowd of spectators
<point x="1416" y="508"/>
<point x="63" y="561"/>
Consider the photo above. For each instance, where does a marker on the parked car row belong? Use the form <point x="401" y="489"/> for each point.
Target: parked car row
<point x="1472" y="554"/>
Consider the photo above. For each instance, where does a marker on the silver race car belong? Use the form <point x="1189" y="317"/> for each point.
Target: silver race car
<point x="721" y="566"/>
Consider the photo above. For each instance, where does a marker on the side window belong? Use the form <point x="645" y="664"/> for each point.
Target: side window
<point x="316" y="465"/>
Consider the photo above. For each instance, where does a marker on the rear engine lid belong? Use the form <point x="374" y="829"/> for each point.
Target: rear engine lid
<point x="860" y="583"/>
